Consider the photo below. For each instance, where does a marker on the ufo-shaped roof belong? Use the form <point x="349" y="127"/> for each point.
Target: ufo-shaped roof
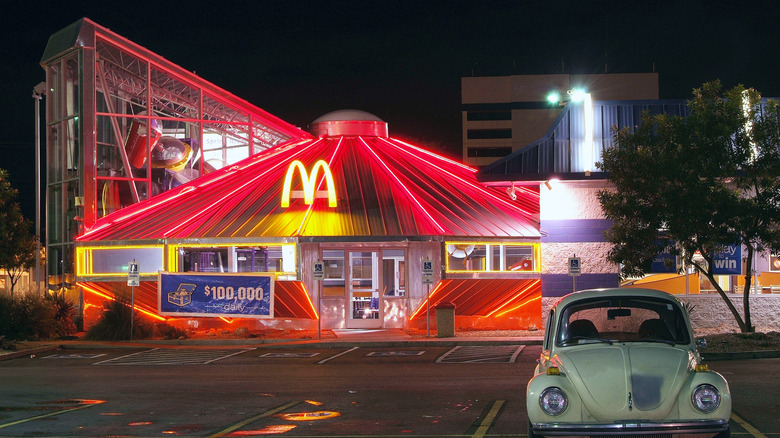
<point x="384" y="187"/>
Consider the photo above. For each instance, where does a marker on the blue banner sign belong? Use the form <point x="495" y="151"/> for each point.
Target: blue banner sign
<point x="665" y="261"/>
<point x="728" y="261"/>
<point x="247" y="295"/>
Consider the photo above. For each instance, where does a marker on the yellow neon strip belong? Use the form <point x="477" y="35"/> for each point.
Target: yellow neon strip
<point x="536" y="256"/>
<point x="85" y="258"/>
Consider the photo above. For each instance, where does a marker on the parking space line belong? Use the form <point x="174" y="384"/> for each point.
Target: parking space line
<point x="488" y="420"/>
<point x="337" y="355"/>
<point x="747" y="426"/>
<point x="50" y="414"/>
<point x="243" y="423"/>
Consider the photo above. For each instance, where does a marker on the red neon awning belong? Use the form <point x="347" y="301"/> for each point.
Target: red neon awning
<point x="483" y="297"/>
<point x="384" y="187"/>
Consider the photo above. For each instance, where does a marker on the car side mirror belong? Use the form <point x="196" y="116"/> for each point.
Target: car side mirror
<point x="701" y="343"/>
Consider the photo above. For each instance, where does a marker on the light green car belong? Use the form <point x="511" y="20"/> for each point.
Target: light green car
<point x="624" y="362"/>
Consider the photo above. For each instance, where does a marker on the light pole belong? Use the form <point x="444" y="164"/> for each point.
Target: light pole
<point x="38" y="92"/>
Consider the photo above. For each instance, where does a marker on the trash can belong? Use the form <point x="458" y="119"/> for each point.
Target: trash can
<point x="445" y="320"/>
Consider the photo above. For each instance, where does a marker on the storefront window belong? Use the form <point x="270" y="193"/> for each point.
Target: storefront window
<point x="333" y="275"/>
<point x="492" y="257"/>
<point x="393" y="272"/>
<point x="260" y="258"/>
<point x="113" y="261"/>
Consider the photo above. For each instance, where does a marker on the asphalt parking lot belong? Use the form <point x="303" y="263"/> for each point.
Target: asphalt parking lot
<point x="362" y="390"/>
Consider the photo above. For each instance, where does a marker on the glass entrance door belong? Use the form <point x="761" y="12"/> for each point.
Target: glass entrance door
<point x="365" y="310"/>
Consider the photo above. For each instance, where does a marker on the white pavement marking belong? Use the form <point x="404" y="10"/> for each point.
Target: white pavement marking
<point x="161" y="356"/>
<point x="337" y="355"/>
<point x="482" y="354"/>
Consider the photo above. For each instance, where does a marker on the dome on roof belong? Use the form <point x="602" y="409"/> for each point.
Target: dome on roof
<point x="347" y="114"/>
<point x="349" y="122"/>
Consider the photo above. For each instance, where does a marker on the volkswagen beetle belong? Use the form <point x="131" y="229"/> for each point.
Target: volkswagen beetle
<point x="624" y="362"/>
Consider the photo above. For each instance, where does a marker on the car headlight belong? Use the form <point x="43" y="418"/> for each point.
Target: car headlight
<point x="553" y="401"/>
<point x="706" y="398"/>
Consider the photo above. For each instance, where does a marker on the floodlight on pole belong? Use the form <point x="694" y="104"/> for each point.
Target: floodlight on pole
<point x="39" y="91"/>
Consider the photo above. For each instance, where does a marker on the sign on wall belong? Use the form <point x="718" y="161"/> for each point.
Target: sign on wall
<point x="728" y="261"/>
<point x="774" y="263"/>
<point x="247" y="295"/>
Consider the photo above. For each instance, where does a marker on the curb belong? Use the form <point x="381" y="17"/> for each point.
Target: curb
<point x="29" y="351"/>
<point x="769" y="354"/>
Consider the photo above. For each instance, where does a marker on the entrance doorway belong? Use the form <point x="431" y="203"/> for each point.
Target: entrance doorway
<point x="364" y="309"/>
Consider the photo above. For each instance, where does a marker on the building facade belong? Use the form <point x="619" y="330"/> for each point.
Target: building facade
<point x="199" y="209"/>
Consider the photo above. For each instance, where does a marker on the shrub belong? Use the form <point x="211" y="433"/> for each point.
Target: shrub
<point x="31" y="316"/>
<point x="114" y="325"/>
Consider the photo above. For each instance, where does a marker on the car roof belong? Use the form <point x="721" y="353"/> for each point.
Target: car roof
<point x="614" y="292"/>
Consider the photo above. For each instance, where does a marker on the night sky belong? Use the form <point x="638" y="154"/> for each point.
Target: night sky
<point x="400" y="60"/>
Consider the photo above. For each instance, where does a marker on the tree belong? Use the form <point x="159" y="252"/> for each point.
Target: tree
<point x="697" y="184"/>
<point x="17" y="251"/>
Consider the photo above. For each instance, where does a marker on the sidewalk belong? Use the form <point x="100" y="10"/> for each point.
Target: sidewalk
<point x="336" y="338"/>
<point x="343" y="338"/>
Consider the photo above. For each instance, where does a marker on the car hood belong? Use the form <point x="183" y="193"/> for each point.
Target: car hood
<point x="626" y="381"/>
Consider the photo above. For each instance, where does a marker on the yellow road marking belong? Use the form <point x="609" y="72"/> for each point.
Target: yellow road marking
<point x="747" y="426"/>
<point x="488" y="420"/>
<point x="38" y="417"/>
<point x="243" y="423"/>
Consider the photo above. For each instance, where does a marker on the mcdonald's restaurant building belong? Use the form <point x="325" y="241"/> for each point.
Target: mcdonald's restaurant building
<point x="236" y="218"/>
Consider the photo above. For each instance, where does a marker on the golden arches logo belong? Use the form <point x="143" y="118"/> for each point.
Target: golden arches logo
<point x="309" y="181"/>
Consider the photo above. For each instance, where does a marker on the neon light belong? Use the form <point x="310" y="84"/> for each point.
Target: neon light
<point x="330" y="184"/>
<point x="438" y="287"/>
<point x="523" y="304"/>
<point x="110" y="298"/>
<point x="311" y="304"/>
<point x="403" y="186"/>
<point x="535" y="247"/>
<point x="85" y="257"/>
<point x="517" y="295"/>
<point x="309" y="182"/>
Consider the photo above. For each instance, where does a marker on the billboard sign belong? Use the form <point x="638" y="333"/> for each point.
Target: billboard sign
<point x="246" y="295"/>
<point x="728" y="261"/>
<point x="665" y="261"/>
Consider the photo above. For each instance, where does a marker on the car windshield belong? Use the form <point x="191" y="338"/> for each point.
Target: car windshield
<point x="622" y="319"/>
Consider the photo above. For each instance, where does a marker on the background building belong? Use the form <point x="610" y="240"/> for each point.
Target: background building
<point x="502" y="114"/>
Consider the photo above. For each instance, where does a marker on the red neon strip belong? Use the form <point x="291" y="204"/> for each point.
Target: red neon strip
<point x="311" y="304"/>
<point x="231" y="195"/>
<point x="473" y="185"/>
<point x="110" y="298"/>
<point x="403" y="186"/>
<point x="434" y="155"/>
<point x="507" y="302"/>
<point x="439" y="286"/>
<point x="529" y="301"/>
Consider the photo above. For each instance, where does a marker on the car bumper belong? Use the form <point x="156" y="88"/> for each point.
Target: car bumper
<point x="632" y="428"/>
